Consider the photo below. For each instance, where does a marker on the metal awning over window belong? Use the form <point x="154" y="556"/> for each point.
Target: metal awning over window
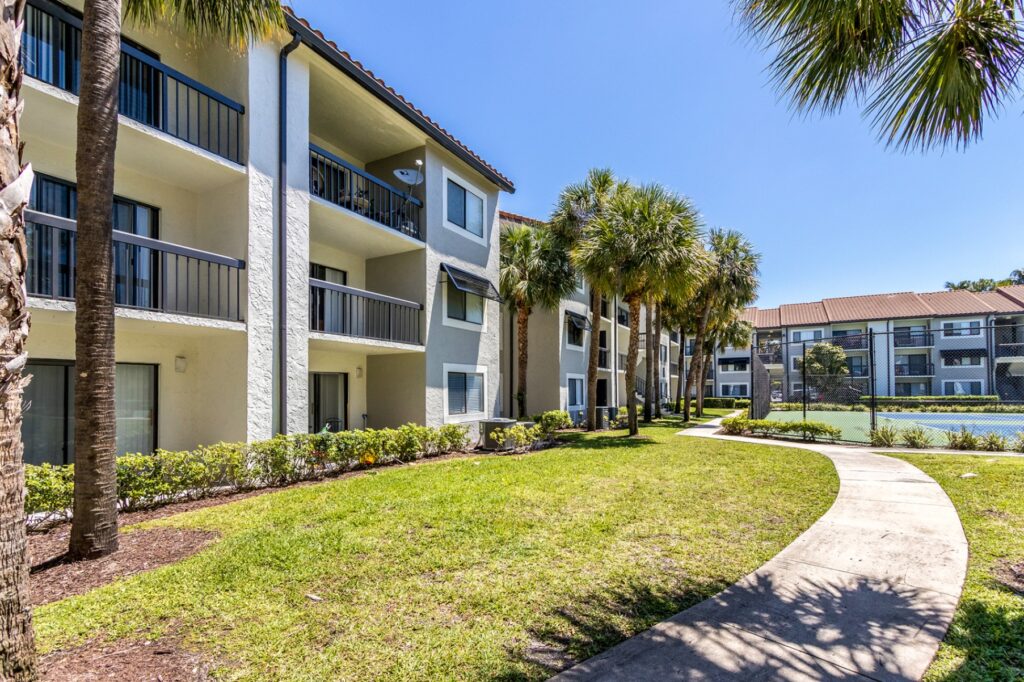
<point x="469" y="283"/>
<point x="964" y="353"/>
<point x="578" y="321"/>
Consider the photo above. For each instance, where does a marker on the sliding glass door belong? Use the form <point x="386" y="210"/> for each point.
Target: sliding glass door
<point x="48" y="429"/>
<point x="328" y="401"/>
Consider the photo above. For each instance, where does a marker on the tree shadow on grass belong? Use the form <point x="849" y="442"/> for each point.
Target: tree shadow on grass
<point x="602" y="441"/>
<point x="991" y="641"/>
<point x="830" y="627"/>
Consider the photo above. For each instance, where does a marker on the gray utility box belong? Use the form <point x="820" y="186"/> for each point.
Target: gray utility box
<point x="605" y="415"/>
<point x="487" y="429"/>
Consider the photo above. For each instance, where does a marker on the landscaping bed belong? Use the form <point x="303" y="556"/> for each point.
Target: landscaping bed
<point x="986" y="638"/>
<point x="500" y="567"/>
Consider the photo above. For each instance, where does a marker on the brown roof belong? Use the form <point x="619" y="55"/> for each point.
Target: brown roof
<point x="516" y="218"/>
<point x="796" y="314"/>
<point x="432" y="126"/>
<point x="900" y="305"/>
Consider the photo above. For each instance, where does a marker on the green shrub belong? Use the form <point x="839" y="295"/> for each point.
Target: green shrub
<point x="961" y="440"/>
<point x="915" y="437"/>
<point x="885" y="437"/>
<point x="49" y="491"/>
<point x="994" y="442"/>
<point x="552" y="421"/>
<point x="721" y="403"/>
<point x="518" y="437"/>
<point x="811" y="430"/>
<point x="764" y="427"/>
<point x="742" y="403"/>
<point x="735" y="426"/>
<point x="1018" y="443"/>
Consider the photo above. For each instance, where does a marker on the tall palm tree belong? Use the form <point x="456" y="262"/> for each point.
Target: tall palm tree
<point x="94" y="520"/>
<point x="928" y="71"/>
<point x="578" y="205"/>
<point x="725" y="332"/>
<point x="650" y="239"/>
<point x="17" y="657"/>
<point x="731" y="284"/>
<point x="533" y="272"/>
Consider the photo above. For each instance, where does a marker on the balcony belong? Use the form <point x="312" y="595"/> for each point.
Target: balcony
<point x="602" y="359"/>
<point x="1010" y="350"/>
<point x="770" y="355"/>
<point x="851" y="342"/>
<point x="859" y="371"/>
<point x="149" y="274"/>
<point x="917" y="369"/>
<point x="347" y="311"/>
<point x="913" y="339"/>
<point x="334" y="180"/>
<point x="150" y="93"/>
<point x="674" y="368"/>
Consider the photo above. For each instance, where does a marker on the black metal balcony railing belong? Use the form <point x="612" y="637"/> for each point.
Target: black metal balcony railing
<point x="915" y="369"/>
<point x="771" y="355"/>
<point x="859" y="371"/>
<point x="1010" y="350"/>
<point x="602" y="359"/>
<point x="148" y="273"/>
<point x="150" y="92"/>
<point x="338" y="309"/>
<point x="913" y="339"/>
<point x="339" y="182"/>
<point x="851" y="342"/>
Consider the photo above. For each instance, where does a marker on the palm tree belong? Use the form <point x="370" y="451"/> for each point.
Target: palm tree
<point x="650" y="239"/>
<point x="578" y="205"/>
<point x="17" y="657"/>
<point x="534" y="271"/>
<point x="94" y="520"/>
<point x="1017" y="276"/>
<point x="731" y="284"/>
<point x="725" y="332"/>
<point x="928" y="71"/>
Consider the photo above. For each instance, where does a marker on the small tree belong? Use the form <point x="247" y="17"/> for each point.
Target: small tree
<point x="825" y="364"/>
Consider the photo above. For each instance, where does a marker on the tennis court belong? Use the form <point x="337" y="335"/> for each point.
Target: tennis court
<point x="856" y="426"/>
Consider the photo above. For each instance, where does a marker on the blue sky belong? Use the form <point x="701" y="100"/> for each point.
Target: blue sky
<point x="673" y="91"/>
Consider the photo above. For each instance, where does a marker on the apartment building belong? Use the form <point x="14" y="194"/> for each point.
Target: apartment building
<point x="910" y="344"/>
<point x="559" y="380"/>
<point x="296" y="245"/>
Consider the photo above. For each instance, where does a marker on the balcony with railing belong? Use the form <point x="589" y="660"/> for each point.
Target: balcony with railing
<point x="858" y="370"/>
<point x="851" y="341"/>
<point x="913" y="339"/>
<point x="915" y="369"/>
<point x="338" y="182"/>
<point x="150" y="92"/>
<point x="149" y="274"/>
<point x="673" y="368"/>
<point x="771" y="355"/>
<point x="1010" y="349"/>
<point x="347" y="311"/>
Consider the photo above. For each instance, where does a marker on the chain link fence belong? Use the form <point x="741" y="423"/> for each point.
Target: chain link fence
<point x="911" y="385"/>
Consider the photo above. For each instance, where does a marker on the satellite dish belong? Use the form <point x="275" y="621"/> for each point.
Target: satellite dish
<point x="409" y="176"/>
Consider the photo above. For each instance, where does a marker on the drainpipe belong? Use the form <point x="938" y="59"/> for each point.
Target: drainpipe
<point x="282" y="231"/>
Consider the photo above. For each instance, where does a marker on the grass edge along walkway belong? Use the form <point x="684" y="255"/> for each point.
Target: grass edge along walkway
<point x="497" y="567"/>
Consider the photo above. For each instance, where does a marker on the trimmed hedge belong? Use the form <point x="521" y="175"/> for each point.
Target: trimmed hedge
<point x="145" y="481"/>
<point x="899" y="405"/>
<point x="805" y="430"/>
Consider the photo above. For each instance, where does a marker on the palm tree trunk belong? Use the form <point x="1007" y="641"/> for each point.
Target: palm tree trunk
<point x="704" y="367"/>
<point x="631" y="357"/>
<point x="17" y="654"/>
<point x="94" y="523"/>
<point x="523" y="346"/>
<point x="682" y="368"/>
<point x="657" y="361"/>
<point x="649" y="345"/>
<point x="594" y="353"/>
<point x="698" y="351"/>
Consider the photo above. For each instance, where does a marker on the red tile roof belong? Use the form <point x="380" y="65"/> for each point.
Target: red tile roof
<point x="341" y="54"/>
<point x="900" y="305"/>
<point x="516" y="218"/>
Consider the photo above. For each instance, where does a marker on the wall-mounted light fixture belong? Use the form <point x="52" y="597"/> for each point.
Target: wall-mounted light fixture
<point x="180" y="364"/>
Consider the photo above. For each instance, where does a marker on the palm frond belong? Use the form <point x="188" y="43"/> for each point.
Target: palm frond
<point x="236" y="21"/>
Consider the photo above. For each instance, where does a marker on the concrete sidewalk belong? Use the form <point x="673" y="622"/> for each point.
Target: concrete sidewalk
<point x="866" y="592"/>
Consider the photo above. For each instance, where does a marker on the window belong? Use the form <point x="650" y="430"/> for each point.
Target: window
<point x="906" y="389"/>
<point x="961" y="388"/>
<point x="581" y="287"/>
<point x="575" y="325"/>
<point x="48" y="428"/>
<point x="734" y="390"/>
<point x="808" y="335"/>
<point x="465" y="393"/>
<point x="798" y="386"/>
<point x="464" y="207"/>
<point x="963" y="359"/>
<point x="734" y="365"/>
<point x="961" y="328"/>
<point x="576" y="392"/>
<point x="464" y="306"/>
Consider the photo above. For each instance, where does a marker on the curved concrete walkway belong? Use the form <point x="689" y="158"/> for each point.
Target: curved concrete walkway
<point x="866" y="592"/>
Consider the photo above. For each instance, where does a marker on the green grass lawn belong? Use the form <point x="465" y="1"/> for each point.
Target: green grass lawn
<point x="464" y="569"/>
<point x="986" y="638"/>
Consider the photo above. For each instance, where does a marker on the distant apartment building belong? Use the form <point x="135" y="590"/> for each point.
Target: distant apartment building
<point x="272" y="270"/>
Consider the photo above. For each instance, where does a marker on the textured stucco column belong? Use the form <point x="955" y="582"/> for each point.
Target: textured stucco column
<point x="297" y="378"/>
<point x="261" y="128"/>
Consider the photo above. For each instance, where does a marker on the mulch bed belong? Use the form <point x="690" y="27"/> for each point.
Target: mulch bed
<point x="1011" y="575"/>
<point x="130" y="660"/>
